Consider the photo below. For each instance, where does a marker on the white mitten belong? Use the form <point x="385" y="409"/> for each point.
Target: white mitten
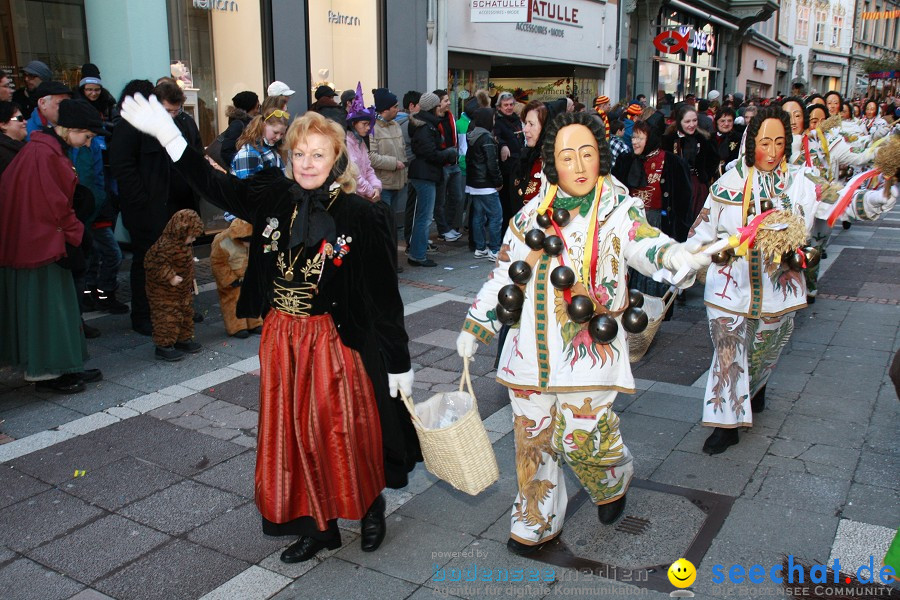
<point x="877" y="204"/>
<point x="686" y="256"/>
<point x="466" y="344"/>
<point x="149" y="116"/>
<point x="401" y="381"/>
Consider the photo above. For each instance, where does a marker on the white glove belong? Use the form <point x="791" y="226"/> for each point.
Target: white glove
<point x="149" y="116"/>
<point x="401" y="381"/>
<point x="686" y="257"/>
<point x="466" y="344"/>
<point x="878" y="204"/>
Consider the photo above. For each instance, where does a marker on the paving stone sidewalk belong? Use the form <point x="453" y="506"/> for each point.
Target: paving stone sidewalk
<point x="142" y="487"/>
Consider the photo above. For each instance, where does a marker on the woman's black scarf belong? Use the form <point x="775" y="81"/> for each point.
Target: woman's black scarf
<point x="637" y="173"/>
<point x="313" y="223"/>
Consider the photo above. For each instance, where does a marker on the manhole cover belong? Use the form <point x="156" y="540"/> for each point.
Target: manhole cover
<point x="661" y="522"/>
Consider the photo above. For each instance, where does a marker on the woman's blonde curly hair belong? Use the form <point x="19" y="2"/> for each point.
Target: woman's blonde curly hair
<point x="343" y="172"/>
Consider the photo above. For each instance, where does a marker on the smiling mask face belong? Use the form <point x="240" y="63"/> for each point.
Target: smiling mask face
<point x="577" y="160"/>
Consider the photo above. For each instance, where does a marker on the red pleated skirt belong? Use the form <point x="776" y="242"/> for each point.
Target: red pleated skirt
<point x="319" y="451"/>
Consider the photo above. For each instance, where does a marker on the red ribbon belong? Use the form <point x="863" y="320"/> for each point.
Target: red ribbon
<point x="748" y="233"/>
<point x="842" y="204"/>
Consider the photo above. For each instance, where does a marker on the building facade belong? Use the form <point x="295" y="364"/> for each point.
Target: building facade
<point x="876" y="35"/>
<point x="757" y="69"/>
<point x="818" y="34"/>
<point x="677" y="48"/>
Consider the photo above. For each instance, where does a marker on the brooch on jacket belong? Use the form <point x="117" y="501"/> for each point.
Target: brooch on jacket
<point x="271" y="231"/>
<point x="339" y="250"/>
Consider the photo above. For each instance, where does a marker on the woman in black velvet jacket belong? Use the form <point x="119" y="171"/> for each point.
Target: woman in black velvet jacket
<point x="322" y="272"/>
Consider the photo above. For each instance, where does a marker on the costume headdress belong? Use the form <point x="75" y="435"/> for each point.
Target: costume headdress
<point x="358" y="110"/>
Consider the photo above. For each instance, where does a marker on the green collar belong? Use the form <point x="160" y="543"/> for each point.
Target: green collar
<point x="583" y="203"/>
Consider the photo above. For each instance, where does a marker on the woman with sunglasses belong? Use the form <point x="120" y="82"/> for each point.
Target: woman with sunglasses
<point x="258" y="145"/>
<point x="12" y="133"/>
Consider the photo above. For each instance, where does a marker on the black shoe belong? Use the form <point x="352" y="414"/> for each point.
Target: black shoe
<point x="421" y="263"/>
<point x="70" y="383"/>
<point x="169" y="353"/>
<point x="142" y="327"/>
<point x="521" y="549"/>
<point x="372" y="527"/>
<point x="611" y="512"/>
<point x="106" y="301"/>
<point x="810" y="299"/>
<point x="243" y="334"/>
<point x="256" y="330"/>
<point x="824" y="254"/>
<point x="758" y="401"/>
<point x="306" y="547"/>
<point x="846" y="224"/>
<point x="720" y="440"/>
<point x="189" y="346"/>
<point x="89" y="332"/>
<point x="91" y="375"/>
<point x="399" y="269"/>
<point x="198" y="318"/>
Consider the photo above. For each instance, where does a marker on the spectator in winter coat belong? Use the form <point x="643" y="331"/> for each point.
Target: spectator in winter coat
<point x="359" y="124"/>
<point x="244" y="106"/>
<point x="448" y="202"/>
<point x="387" y="152"/>
<point x="91" y="89"/>
<point x="36" y="73"/>
<point x="483" y="181"/>
<point x="47" y="96"/>
<point x="327" y="107"/>
<point x="410" y="107"/>
<point x="511" y="141"/>
<point x="6" y="87"/>
<point x="258" y="145"/>
<point x="12" y="133"/>
<point x="426" y="171"/>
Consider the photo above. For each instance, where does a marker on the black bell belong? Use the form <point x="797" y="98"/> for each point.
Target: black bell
<point x="603" y="329"/>
<point x="544" y="220"/>
<point x="580" y="309"/>
<point x="520" y="272"/>
<point x="534" y="239"/>
<point x="766" y="205"/>
<point x="635" y="320"/>
<point x="553" y="245"/>
<point x="511" y="297"/>
<point x="722" y="257"/>
<point x="813" y="256"/>
<point x="635" y="298"/>
<point x="793" y="259"/>
<point x="561" y="217"/>
<point x="508" y="317"/>
<point x="562" y="277"/>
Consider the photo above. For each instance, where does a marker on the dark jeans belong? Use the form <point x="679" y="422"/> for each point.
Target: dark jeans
<point x="106" y="257"/>
<point x="448" y="203"/>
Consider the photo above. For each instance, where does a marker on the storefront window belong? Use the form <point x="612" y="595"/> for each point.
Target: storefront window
<point x="690" y="71"/>
<point x="462" y="85"/>
<point x="190" y="51"/>
<point x="344" y="44"/>
<point x="52" y="32"/>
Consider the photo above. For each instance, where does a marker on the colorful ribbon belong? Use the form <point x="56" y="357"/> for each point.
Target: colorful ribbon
<point x="747" y="235"/>
<point x="841" y="205"/>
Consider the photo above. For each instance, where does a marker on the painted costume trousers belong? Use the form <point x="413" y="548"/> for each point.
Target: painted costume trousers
<point x="172" y="313"/>
<point x="579" y="428"/>
<point x="744" y="356"/>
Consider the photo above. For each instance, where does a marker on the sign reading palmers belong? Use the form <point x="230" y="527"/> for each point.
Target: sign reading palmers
<point x="498" y="11"/>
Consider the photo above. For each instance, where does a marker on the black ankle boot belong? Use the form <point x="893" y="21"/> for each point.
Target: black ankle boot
<point x="306" y="547"/>
<point x="372" y="526"/>
<point x="758" y="401"/>
<point x="720" y="440"/>
<point x="610" y="512"/>
<point x="517" y="547"/>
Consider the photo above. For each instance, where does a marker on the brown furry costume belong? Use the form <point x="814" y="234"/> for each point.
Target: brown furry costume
<point x="228" y="260"/>
<point x="171" y="306"/>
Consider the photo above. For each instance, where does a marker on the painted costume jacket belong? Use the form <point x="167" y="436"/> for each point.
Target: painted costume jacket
<point x="810" y="150"/>
<point x="547" y="351"/>
<point x="750" y="285"/>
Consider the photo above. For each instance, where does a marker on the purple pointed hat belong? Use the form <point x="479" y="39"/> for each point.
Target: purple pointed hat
<point x="358" y="110"/>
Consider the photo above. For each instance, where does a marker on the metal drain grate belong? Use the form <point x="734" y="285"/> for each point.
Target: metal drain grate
<point x="633" y="525"/>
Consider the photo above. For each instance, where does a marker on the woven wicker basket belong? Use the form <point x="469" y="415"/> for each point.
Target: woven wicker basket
<point x="461" y="454"/>
<point x="639" y="343"/>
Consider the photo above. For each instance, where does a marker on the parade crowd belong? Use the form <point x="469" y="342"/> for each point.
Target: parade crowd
<point x="588" y="214"/>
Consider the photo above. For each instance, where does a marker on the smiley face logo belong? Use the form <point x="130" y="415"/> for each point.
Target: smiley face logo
<point x="682" y="573"/>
